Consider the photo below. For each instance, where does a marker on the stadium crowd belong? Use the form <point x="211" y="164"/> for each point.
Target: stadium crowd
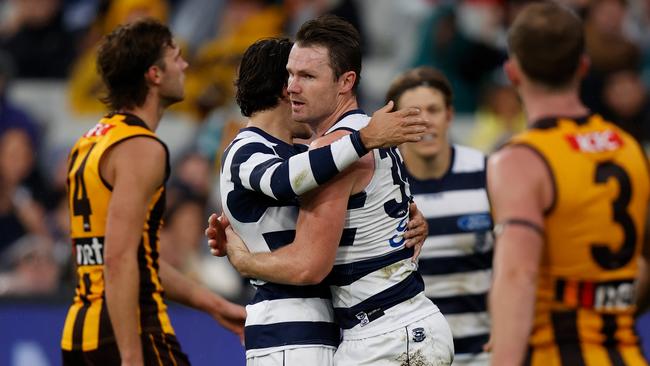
<point x="46" y="41"/>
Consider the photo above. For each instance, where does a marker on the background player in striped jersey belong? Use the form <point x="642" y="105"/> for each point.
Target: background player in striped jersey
<point x="570" y="200"/>
<point x="116" y="191"/>
<point x="448" y="184"/>
<point x="262" y="172"/>
<point x="360" y="217"/>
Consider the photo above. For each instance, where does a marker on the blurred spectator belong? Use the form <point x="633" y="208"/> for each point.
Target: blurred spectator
<point x="466" y="61"/>
<point x="21" y="188"/>
<point x="628" y="104"/>
<point x="194" y="171"/>
<point x="387" y="51"/>
<point x="196" y="21"/>
<point x="182" y="232"/>
<point x="32" y="268"/>
<point x="218" y="130"/>
<point x="499" y="116"/>
<point x="35" y="36"/>
<point x="183" y="245"/>
<point x="86" y="87"/>
<point x="608" y="48"/>
<point x="209" y="82"/>
<point x="11" y="116"/>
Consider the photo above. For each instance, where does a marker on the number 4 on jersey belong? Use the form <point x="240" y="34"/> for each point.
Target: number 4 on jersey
<point x="80" y="201"/>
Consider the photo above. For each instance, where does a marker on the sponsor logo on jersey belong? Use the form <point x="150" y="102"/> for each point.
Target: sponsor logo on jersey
<point x="618" y="296"/>
<point x="475" y="222"/>
<point x="90" y="251"/>
<point x="100" y="129"/>
<point x="595" y="142"/>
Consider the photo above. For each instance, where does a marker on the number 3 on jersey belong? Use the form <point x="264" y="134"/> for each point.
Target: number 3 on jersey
<point x="393" y="208"/>
<point x="80" y="201"/>
<point x="601" y="253"/>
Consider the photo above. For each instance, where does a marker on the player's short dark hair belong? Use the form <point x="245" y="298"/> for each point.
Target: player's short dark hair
<point x="420" y="76"/>
<point x="340" y="38"/>
<point x="125" y="55"/>
<point x="262" y="75"/>
<point x="547" y="39"/>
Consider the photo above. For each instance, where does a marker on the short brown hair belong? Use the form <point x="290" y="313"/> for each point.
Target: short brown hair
<point x="420" y="76"/>
<point x="547" y="39"/>
<point x="339" y="37"/>
<point x="125" y="55"/>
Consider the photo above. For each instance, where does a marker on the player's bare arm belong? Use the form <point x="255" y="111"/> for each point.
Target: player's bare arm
<point x="642" y="290"/>
<point x="415" y="236"/>
<point x="518" y="186"/>
<point x="187" y="292"/>
<point x="135" y="169"/>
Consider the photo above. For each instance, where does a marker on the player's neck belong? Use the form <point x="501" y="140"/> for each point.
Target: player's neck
<point x="343" y="106"/>
<point x="541" y="103"/>
<point x="422" y="168"/>
<point x="274" y="122"/>
<point x="150" y="112"/>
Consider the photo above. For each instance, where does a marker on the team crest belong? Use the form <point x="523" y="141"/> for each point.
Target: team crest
<point x="418" y="334"/>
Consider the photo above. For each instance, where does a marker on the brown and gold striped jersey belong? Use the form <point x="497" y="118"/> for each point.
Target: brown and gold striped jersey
<point x="594" y="233"/>
<point x="87" y="324"/>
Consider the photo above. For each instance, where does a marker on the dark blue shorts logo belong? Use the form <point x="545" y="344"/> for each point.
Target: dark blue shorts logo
<point x="418" y="334"/>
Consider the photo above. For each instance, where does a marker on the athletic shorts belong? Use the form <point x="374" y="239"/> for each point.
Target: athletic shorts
<point x="427" y="341"/>
<point x="304" y="356"/>
<point x="157" y="348"/>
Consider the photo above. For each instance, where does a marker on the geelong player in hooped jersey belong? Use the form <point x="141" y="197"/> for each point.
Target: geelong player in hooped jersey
<point x="448" y="184"/>
<point x="262" y="174"/>
<point x="361" y="217"/>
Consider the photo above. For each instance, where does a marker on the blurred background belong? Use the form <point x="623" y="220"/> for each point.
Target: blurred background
<point x="49" y="92"/>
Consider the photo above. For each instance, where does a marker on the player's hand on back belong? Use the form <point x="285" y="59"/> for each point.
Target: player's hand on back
<point x="388" y="128"/>
<point x="417" y="230"/>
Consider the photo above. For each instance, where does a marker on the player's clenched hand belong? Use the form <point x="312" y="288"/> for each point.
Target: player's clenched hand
<point x="416" y="231"/>
<point x="216" y="234"/>
<point x="388" y="128"/>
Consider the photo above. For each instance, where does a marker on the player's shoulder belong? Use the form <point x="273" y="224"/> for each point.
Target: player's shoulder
<point x="468" y="159"/>
<point x="516" y="159"/>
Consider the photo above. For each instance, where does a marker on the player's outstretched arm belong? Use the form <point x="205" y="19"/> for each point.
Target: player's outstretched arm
<point x="515" y="179"/>
<point x="187" y="292"/>
<point x="135" y="169"/>
<point x="259" y="169"/>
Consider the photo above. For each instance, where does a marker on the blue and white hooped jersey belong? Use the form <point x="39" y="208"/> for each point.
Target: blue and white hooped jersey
<point x="456" y="260"/>
<point x="374" y="283"/>
<point x="260" y="179"/>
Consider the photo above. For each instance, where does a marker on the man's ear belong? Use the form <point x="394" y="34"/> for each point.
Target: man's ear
<point x="154" y="75"/>
<point x="584" y="66"/>
<point x="512" y="71"/>
<point x="346" y="81"/>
